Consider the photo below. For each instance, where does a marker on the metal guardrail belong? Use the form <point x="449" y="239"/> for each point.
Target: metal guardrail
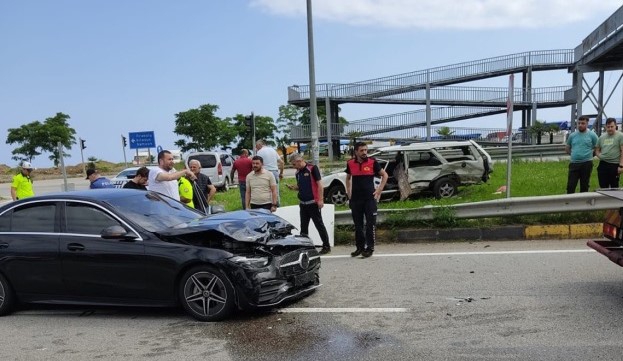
<point x="578" y="202"/>
<point x="528" y="151"/>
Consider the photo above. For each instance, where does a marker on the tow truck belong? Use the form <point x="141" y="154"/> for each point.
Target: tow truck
<point x="612" y="246"/>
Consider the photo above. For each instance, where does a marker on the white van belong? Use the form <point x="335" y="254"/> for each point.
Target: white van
<point x="216" y="165"/>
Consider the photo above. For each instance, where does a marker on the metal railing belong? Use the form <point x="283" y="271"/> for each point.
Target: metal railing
<point x="605" y="30"/>
<point x="450" y="74"/>
<point x="528" y="151"/>
<point x="579" y="202"/>
<point x="386" y="125"/>
<point x="399" y="126"/>
<point x="487" y="96"/>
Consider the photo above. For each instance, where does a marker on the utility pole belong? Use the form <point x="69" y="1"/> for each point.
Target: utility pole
<point x="61" y="156"/>
<point x="313" y="113"/>
<point x="253" y="129"/>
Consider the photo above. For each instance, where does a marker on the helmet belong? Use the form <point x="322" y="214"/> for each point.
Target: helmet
<point x="26" y="165"/>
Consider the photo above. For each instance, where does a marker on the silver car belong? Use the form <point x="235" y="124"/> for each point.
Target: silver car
<point x="125" y="175"/>
<point x="437" y="167"/>
<point x="216" y="165"/>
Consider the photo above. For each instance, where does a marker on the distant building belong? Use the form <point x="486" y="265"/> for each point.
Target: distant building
<point x="143" y="156"/>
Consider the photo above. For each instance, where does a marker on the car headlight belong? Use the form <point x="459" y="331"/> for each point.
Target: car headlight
<point x="256" y="262"/>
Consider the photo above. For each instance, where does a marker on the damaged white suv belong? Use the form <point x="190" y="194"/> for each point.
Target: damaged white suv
<point x="437" y="167"/>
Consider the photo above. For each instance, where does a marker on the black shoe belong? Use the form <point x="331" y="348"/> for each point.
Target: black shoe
<point x="356" y="253"/>
<point x="325" y="250"/>
<point x="367" y="253"/>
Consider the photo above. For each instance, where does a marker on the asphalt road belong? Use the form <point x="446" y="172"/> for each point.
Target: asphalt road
<point x="41" y="187"/>
<point x="527" y="300"/>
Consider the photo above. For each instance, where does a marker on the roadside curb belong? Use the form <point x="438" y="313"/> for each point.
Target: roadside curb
<point x="413" y="235"/>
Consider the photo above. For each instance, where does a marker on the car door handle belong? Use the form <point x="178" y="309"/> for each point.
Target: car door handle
<point x="75" y="247"/>
<point x="4" y="245"/>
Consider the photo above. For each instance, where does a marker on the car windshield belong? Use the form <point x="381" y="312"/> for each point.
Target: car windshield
<point x="154" y="212"/>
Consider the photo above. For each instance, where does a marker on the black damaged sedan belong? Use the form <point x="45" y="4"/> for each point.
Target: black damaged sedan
<point x="130" y="247"/>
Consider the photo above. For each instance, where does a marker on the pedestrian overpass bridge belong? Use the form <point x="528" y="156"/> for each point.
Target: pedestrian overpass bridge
<point x="440" y="90"/>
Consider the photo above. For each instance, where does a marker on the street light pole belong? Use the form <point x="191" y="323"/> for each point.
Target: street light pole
<point x="313" y="114"/>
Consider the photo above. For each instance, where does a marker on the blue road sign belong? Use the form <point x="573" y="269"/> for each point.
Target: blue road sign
<point x="140" y="140"/>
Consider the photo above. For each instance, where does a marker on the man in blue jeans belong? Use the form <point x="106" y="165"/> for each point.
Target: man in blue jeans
<point x="581" y="146"/>
<point x="244" y="166"/>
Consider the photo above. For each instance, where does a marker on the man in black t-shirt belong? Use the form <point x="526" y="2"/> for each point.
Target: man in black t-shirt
<point x="139" y="181"/>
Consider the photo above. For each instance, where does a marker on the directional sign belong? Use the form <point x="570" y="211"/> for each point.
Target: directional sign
<point x="142" y="140"/>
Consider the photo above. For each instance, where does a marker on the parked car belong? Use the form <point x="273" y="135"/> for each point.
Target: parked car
<point x="437" y="167"/>
<point x="216" y="165"/>
<point x="132" y="247"/>
<point x="125" y="175"/>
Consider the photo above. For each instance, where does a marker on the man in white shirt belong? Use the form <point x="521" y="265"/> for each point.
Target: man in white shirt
<point x="164" y="179"/>
<point x="272" y="161"/>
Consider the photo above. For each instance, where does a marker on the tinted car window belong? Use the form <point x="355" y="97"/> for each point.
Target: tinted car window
<point x="206" y="160"/>
<point x="5" y="221"/>
<point x="85" y="219"/>
<point x="154" y="212"/>
<point x="39" y="217"/>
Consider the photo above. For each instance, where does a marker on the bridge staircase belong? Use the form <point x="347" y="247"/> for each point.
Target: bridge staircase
<point x="434" y="87"/>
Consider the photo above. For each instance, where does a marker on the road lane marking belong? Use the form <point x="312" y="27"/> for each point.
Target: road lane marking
<point x="342" y="310"/>
<point x="479" y="253"/>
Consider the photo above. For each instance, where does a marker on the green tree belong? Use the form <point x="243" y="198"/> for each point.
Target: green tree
<point x="36" y="137"/>
<point x="291" y="116"/>
<point x="57" y="129"/>
<point x="551" y="129"/>
<point x="29" y="137"/>
<point x="445" y="132"/>
<point x="265" y="128"/>
<point x="537" y="129"/>
<point x="202" y="129"/>
<point x="92" y="162"/>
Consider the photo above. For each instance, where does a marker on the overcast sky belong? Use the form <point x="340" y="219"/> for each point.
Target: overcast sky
<point x="126" y="66"/>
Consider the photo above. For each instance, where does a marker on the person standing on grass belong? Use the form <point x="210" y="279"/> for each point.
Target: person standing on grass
<point x="581" y="146"/>
<point x="310" y="194"/>
<point x="272" y="162"/>
<point x="363" y="198"/>
<point x="261" y="187"/>
<point x="243" y="166"/>
<point x="609" y="150"/>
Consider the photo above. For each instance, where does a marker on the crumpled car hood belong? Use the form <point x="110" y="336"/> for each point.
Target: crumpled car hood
<point x="243" y="226"/>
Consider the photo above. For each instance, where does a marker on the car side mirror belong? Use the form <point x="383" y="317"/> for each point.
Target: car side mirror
<point x="117" y="232"/>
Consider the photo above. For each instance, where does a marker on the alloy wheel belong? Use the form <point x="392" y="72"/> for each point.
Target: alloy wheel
<point x="205" y="294"/>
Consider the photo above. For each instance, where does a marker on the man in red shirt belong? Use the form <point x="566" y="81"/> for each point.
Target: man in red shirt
<point x="360" y="173"/>
<point x="244" y="166"/>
